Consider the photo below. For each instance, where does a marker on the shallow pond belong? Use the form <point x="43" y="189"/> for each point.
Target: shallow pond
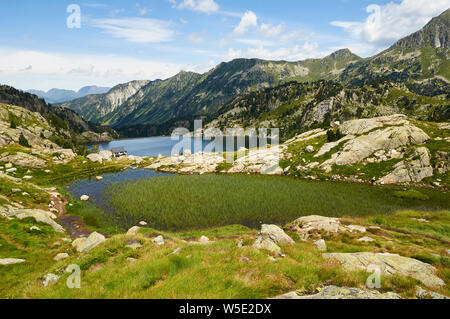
<point x="95" y="188"/>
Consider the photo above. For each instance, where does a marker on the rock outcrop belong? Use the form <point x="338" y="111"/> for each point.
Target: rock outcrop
<point x="389" y="264"/>
<point x="414" y="169"/>
<point x="310" y="225"/>
<point x="23" y="159"/>
<point x="364" y="141"/>
<point x="333" y="292"/>
<point x="39" y="215"/>
<point x="360" y="148"/>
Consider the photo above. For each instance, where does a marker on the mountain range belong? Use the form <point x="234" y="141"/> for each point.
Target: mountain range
<point x="60" y="95"/>
<point x="419" y="61"/>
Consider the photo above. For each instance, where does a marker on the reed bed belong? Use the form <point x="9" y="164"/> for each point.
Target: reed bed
<point x="179" y="203"/>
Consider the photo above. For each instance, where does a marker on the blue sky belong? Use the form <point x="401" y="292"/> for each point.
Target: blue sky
<point x="120" y="40"/>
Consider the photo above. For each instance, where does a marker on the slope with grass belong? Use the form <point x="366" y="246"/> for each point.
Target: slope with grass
<point x="227" y="267"/>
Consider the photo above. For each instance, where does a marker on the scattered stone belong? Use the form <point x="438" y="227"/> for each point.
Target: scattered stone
<point x="425" y="294"/>
<point x="245" y="260"/>
<point x="176" y="251"/>
<point x="309" y="149"/>
<point x="50" y="279"/>
<point x="358" y="228"/>
<point x="203" y="240"/>
<point x="321" y="245"/>
<point x="134" y="244"/>
<point x="276" y="234"/>
<point x="61" y="256"/>
<point x="84" y="245"/>
<point x="96" y="158"/>
<point x="131" y="260"/>
<point x="11" y="261"/>
<point x="158" y="240"/>
<point x="35" y="228"/>
<point x="366" y="239"/>
<point x="142" y="223"/>
<point x="99" y="178"/>
<point x="16" y="190"/>
<point x="133" y="231"/>
<point x="27" y="177"/>
<point x="271" y="258"/>
<point x="389" y="264"/>
<point x="421" y="220"/>
<point x="240" y="243"/>
<point x="270" y="236"/>
<point x="84" y="198"/>
<point x="333" y="292"/>
<point x="8" y="165"/>
<point x="267" y="244"/>
<point x="106" y="155"/>
<point x="56" y="244"/>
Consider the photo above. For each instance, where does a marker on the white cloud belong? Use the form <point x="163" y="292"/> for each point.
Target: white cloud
<point x="270" y="30"/>
<point x="28" y="69"/>
<point x="203" y="6"/>
<point x="255" y="42"/>
<point x="388" y="23"/>
<point x="141" y="9"/>
<point x="115" y="12"/>
<point x="196" y="37"/>
<point x="296" y="53"/>
<point x="296" y="36"/>
<point x="139" y="30"/>
<point x="248" y="20"/>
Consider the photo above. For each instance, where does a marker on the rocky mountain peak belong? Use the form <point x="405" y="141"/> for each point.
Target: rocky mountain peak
<point x="435" y="34"/>
<point x="342" y="53"/>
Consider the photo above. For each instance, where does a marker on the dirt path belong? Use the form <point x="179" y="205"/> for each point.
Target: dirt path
<point x="74" y="224"/>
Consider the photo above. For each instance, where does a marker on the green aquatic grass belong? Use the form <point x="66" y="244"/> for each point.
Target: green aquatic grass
<point x="411" y="193"/>
<point x="180" y="203"/>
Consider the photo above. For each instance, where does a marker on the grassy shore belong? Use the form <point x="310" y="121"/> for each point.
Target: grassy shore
<point x="216" y="270"/>
<point x="196" y="202"/>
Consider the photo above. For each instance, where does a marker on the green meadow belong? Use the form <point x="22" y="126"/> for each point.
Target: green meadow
<point x="182" y="203"/>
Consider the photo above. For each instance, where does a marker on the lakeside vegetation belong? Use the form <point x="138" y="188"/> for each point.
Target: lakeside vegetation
<point x="216" y="270"/>
<point x="178" y="203"/>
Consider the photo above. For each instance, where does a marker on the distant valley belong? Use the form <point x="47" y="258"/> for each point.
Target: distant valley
<point x="60" y="95"/>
